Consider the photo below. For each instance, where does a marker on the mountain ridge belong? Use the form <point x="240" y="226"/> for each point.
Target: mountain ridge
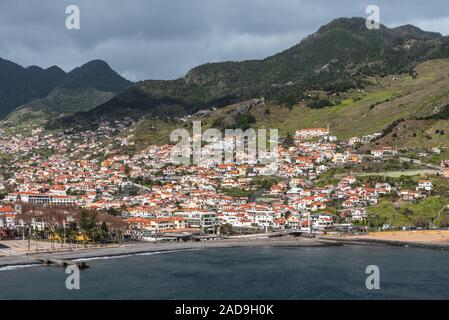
<point x="338" y="57"/>
<point x="81" y="89"/>
<point x="22" y="85"/>
<point x="408" y="110"/>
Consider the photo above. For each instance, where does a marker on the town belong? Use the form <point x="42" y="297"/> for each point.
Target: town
<point x="77" y="187"/>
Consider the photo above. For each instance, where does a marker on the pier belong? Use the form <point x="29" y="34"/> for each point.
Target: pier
<point x="62" y="263"/>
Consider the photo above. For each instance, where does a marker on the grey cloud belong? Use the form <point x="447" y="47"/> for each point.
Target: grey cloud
<point x="162" y="39"/>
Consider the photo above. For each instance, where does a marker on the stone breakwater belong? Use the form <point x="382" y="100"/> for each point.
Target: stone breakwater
<point x="148" y="247"/>
<point x="396" y="243"/>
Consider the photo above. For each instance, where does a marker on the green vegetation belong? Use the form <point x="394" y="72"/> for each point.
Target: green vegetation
<point x="289" y="141"/>
<point x="150" y="131"/>
<point x="419" y="214"/>
<point x="236" y="192"/>
<point x="59" y="101"/>
<point x="337" y="58"/>
<point x="85" y="225"/>
<point x="146" y="182"/>
<point x="390" y="167"/>
<point x="16" y="82"/>
<point x="318" y="104"/>
<point x="76" y="192"/>
<point x="369" y="82"/>
<point x="54" y="91"/>
<point x="244" y="120"/>
<point x="395" y="98"/>
<point x="264" y="183"/>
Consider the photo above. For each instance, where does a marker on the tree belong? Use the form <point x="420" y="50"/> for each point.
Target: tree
<point x="26" y="216"/>
<point x="408" y="212"/>
<point x="287" y="214"/>
<point x="444" y="221"/>
<point x="53" y="218"/>
<point x="114" y="211"/>
<point x="420" y="221"/>
<point x="115" y="226"/>
<point x="103" y="232"/>
<point x="225" y="229"/>
<point x="87" y="223"/>
<point x="289" y="141"/>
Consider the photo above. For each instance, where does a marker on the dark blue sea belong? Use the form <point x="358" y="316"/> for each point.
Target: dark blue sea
<point x="244" y="273"/>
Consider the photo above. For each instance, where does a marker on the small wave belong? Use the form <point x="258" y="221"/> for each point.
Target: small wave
<point x="7" y="268"/>
<point x="132" y="255"/>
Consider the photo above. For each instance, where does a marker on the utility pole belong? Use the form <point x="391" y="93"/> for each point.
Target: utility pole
<point x="308" y="223"/>
<point x="201" y="224"/>
<point x="29" y="237"/>
<point x="266" y="222"/>
<point x="63" y="240"/>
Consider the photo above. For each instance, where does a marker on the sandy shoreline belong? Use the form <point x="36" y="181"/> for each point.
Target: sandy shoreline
<point x="428" y="239"/>
<point x="148" y="247"/>
<point x="424" y="236"/>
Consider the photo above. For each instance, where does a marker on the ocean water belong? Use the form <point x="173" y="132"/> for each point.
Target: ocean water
<point x="244" y="273"/>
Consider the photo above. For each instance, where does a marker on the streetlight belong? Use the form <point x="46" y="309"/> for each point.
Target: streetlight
<point x="63" y="240"/>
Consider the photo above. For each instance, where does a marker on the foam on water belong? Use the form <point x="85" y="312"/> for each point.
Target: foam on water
<point x="7" y="268"/>
<point x="132" y="255"/>
<point x="15" y="267"/>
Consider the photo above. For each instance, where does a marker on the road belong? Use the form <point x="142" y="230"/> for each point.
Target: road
<point x="396" y="174"/>
<point x="140" y="186"/>
<point x="417" y="161"/>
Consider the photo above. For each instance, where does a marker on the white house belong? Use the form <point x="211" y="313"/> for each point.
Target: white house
<point x="425" y="185"/>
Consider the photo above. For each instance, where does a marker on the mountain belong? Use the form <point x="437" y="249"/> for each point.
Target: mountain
<point x="339" y="56"/>
<point x="81" y="89"/>
<point x="19" y="85"/>
<point x="409" y="110"/>
<point x="60" y="101"/>
<point x="95" y="74"/>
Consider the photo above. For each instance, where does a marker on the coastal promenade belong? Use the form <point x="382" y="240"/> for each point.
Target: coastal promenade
<point x="150" y="247"/>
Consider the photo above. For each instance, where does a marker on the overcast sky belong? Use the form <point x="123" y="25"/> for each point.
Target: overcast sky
<point x="163" y="39"/>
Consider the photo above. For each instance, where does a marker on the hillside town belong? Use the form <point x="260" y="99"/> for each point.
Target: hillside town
<point x="318" y="187"/>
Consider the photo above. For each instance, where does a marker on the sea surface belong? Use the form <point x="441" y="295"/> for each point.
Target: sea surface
<point x="243" y="273"/>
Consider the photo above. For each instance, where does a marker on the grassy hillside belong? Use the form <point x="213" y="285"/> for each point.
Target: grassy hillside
<point x="356" y="112"/>
<point x="370" y="110"/>
<point x="151" y="132"/>
<point x="431" y="210"/>
<point x="423" y="212"/>
<point x="59" y="101"/>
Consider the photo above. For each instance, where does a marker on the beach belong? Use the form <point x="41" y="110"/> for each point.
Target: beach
<point x="21" y="257"/>
<point x="426" y="236"/>
<point x="430" y="239"/>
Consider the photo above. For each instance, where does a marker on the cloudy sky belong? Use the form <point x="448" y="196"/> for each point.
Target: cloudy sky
<point x="163" y="39"/>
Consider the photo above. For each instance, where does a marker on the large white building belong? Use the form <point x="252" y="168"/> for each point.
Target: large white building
<point x="198" y="218"/>
<point x="310" y="133"/>
<point x="41" y="198"/>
